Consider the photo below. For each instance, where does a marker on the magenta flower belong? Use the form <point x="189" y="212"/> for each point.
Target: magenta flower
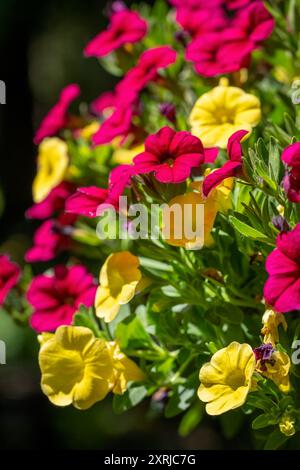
<point x="51" y="238"/>
<point x="56" y="298"/>
<point x="119" y="179"/>
<point x="106" y="101"/>
<point x="86" y="201"/>
<point x="126" y="27"/>
<point x="219" y="53"/>
<point x="118" y="124"/>
<point x="146" y="70"/>
<point x="170" y="155"/>
<point x="57" y="117"/>
<point x="282" y="289"/>
<point x="231" y="168"/>
<point x="291" y="181"/>
<point x="196" y="4"/>
<point x="201" y="21"/>
<point x="54" y="202"/>
<point x="255" y="22"/>
<point x="10" y="274"/>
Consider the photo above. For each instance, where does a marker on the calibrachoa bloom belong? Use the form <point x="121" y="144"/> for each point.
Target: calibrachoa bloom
<point x="170" y="155"/>
<point x="276" y="367"/>
<point x="271" y="321"/>
<point x="120" y="277"/>
<point x="282" y="289"/>
<point x="79" y="369"/>
<point x="223" y="111"/>
<point x="54" y="202"/>
<point x="10" y="274"/>
<point x="56" y="297"/>
<point x="287" y="425"/>
<point x="226" y="379"/>
<point x="126" y="27"/>
<point x="291" y="181"/>
<point x="52" y="164"/>
<point x="86" y="201"/>
<point x="57" y="118"/>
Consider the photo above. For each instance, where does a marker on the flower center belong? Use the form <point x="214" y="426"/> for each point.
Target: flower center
<point x="224" y="116"/>
<point x="236" y="379"/>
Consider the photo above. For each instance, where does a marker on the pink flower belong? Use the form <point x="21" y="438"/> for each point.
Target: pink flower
<point x="86" y="201"/>
<point x="57" y="117"/>
<point x="170" y="155"/>
<point x="235" y="4"/>
<point x="282" y="289"/>
<point x="10" y="274"/>
<point x="231" y="168"/>
<point x="146" y="70"/>
<point x="291" y="181"/>
<point x="119" y="179"/>
<point x="255" y="22"/>
<point x="219" y="53"/>
<point x="201" y="21"/>
<point x="56" y="298"/>
<point x="51" y="238"/>
<point x="104" y="102"/>
<point x="126" y="27"/>
<point x="118" y="124"/>
<point x="196" y="4"/>
<point x="54" y="202"/>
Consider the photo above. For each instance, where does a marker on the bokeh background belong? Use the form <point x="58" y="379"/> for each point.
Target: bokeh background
<point x="41" y="45"/>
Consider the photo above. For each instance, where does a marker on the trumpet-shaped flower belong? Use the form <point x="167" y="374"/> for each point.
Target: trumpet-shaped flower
<point x="55" y="298"/>
<point x="276" y="367"/>
<point x="170" y="155"/>
<point x="125" y="370"/>
<point x="52" y="164"/>
<point x="54" y="202"/>
<point x="119" y="282"/>
<point x="282" y="289"/>
<point x="226" y="379"/>
<point x="291" y="181"/>
<point x="10" y="274"/>
<point x="57" y="118"/>
<point x="86" y="201"/>
<point x="223" y="111"/>
<point x="271" y="321"/>
<point x="126" y="27"/>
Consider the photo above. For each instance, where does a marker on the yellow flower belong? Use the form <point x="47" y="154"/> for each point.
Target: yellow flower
<point x="88" y="131"/>
<point x="287" y="425"/>
<point x="174" y="222"/>
<point x="271" y="321"/>
<point x="222" y="111"/>
<point x="79" y="369"/>
<point x="123" y="156"/>
<point x="125" y="370"/>
<point x="120" y="280"/>
<point x="52" y="165"/>
<point x="277" y="369"/>
<point x="226" y="379"/>
<point x="76" y="367"/>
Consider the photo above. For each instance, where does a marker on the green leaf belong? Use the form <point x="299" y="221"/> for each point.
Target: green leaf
<point x="132" y="397"/>
<point x="182" y="397"/>
<point x="229" y="313"/>
<point x="275" y="440"/>
<point x="85" y="317"/>
<point x="132" y="334"/>
<point x="191" y="419"/>
<point x="263" y="420"/>
<point x="245" y="229"/>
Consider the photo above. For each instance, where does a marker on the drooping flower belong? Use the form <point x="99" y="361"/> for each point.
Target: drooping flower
<point x="226" y="379"/>
<point x="120" y="277"/>
<point x="10" y="274"/>
<point x="54" y="202"/>
<point x="57" y="118"/>
<point x="271" y="321"/>
<point x="52" y="164"/>
<point x="276" y="368"/>
<point x="282" y="289"/>
<point x="105" y="102"/>
<point x="231" y="168"/>
<point x="170" y="155"/>
<point x="126" y="27"/>
<point x="86" y="201"/>
<point x="223" y="111"/>
<point x="287" y="425"/>
<point x="55" y="298"/>
<point x="291" y="181"/>
<point x="50" y="239"/>
<point x="119" y="179"/>
<point x="119" y="123"/>
<point x="263" y="353"/>
<point x="185" y="216"/>
<point x="79" y="369"/>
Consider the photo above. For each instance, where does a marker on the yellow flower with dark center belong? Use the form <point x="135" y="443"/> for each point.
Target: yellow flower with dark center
<point x="79" y="369"/>
<point x="226" y="380"/>
<point x="52" y="164"/>
<point x="185" y="215"/>
<point x="287" y="425"/>
<point x="223" y="111"/>
<point x="277" y="369"/>
<point x="271" y="321"/>
<point x="120" y="280"/>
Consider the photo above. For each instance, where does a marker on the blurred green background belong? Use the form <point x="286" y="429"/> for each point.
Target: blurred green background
<point x="41" y="47"/>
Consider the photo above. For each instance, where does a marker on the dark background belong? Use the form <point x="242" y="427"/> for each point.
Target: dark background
<point x="41" y="44"/>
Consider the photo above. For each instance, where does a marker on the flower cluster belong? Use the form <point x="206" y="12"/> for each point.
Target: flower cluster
<point x="200" y="122"/>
